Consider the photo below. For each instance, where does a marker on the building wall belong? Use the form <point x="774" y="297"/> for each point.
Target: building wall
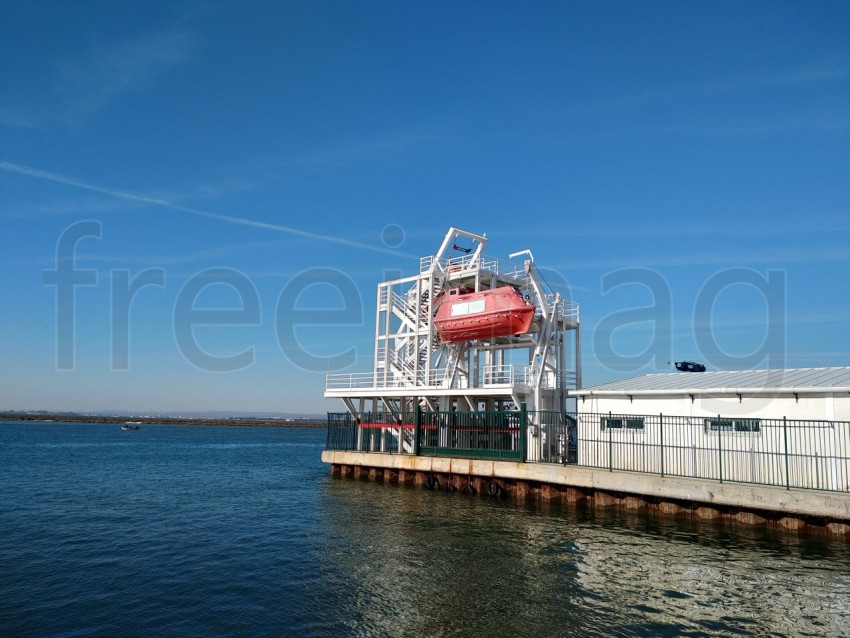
<point x="826" y="406"/>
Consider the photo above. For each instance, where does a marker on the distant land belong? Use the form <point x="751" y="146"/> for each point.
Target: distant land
<point x="190" y="418"/>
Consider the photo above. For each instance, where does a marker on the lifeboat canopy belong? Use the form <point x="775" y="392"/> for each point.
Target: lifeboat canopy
<point x="464" y="314"/>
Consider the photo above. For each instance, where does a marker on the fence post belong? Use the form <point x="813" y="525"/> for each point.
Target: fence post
<point x="785" y="437"/>
<point x="566" y="431"/>
<point x="661" y="429"/>
<point x="610" y="444"/>
<point x="720" y="446"/>
<point x="417" y="428"/>
<point x="523" y="431"/>
<point x="328" y="434"/>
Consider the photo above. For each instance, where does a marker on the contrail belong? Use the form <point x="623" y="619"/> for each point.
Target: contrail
<point x="164" y="203"/>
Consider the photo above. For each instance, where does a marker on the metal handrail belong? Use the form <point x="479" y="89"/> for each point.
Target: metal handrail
<point x="509" y="375"/>
<point x="375" y="381"/>
<point x="506" y="374"/>
<point x="471" y="262"/>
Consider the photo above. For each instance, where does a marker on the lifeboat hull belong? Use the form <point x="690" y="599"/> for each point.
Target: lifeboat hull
<point x="482" y="315"/>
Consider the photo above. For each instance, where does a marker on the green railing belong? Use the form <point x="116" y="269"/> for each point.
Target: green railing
<point x="479" y="435"/>
<point x="371" y="432"/>
<point x="476" y="435"/>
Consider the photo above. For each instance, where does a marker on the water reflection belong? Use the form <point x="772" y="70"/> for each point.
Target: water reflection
<point x="408" y="562"/>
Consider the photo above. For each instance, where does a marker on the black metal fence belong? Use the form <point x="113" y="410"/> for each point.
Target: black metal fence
<point x="342" y="432"/>
<point x="371" y="432"/>
<point x="780" y="452"/>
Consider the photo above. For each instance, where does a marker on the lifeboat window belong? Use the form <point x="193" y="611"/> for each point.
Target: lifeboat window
<point x="460" y="309"/>
<point x="467" y="307"/>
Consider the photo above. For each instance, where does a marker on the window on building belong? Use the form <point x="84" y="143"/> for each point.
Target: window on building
<point x="621" y="423"/>
<point x="732" y="425"/>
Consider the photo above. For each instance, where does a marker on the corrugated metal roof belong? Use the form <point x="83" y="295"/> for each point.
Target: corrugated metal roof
<point x="776" y="380"/>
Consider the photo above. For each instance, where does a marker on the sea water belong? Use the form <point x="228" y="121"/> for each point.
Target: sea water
<point x="224" y="531"/>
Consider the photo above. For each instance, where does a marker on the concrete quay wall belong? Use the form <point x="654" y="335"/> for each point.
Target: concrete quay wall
<point x="792" y="509"/>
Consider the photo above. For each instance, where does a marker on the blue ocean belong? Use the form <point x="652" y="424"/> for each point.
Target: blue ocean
<point x="241" y="531"/>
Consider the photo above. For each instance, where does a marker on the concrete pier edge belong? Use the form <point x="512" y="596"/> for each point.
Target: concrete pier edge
<point x="745" y="503"/>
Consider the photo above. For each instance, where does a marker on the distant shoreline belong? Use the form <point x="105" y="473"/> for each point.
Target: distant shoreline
<point x="239" y="422"/>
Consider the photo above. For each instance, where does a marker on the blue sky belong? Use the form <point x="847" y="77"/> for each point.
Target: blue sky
<point x="680" y="169"/>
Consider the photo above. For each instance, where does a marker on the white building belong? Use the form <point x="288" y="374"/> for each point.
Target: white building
<point x="801" y="393"/>
<point x="777" y="427"/>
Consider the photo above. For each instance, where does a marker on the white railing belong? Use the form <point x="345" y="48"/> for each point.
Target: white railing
<point x="379" y="380"/>
<point x="548" y="382"/>
<point x="492" y="376"/>
<point x="350" y="381"/>
<point x="469" y="262"/>
<point x="425" y="263"/>
<point x="408" y="307"/>
<point x="563" y="309"/>
<point x="504" y="375"/>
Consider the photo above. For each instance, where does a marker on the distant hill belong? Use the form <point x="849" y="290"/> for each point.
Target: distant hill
<point x="214" y="414"/>
<point x="189" y="418"/>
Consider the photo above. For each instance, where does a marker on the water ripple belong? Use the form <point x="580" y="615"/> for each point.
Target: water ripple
<point x="240" y="531"/>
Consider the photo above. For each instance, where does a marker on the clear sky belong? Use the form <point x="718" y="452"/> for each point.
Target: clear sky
<point x="198" y="198"/>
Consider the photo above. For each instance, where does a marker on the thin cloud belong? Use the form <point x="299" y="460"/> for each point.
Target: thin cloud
<point x="355" y="151"/>
<point x="81" y="85"/>
<point x="18" y="120"/>
<point x="684" y="259"/>
<point x="812" y="224"/>
<point x="805" y="78"/>
<point x="211" y="254"/>
<point x="86" y="84"/>
<point x="815" y="73"/>
<point x="88" y="206"/>
<point x="828" y="120"/>
<point x="827" y="316"/>
<point x="825" y="71"/>
<point x="95" y="205"/>
<point x="163" y="203"/>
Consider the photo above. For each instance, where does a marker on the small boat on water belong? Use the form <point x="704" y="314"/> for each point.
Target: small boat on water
<point x="464" y="314"/>
<point x="129" y="426"/>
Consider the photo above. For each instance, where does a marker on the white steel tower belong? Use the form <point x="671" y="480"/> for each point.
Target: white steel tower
<point x="490" y="370"/>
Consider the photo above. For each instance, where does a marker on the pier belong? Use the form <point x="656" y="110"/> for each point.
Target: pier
<point x="464" y="396"/>
<point x="793" y="509"/>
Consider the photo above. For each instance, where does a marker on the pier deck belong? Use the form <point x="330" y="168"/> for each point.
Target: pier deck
<point x="789" y="508"/>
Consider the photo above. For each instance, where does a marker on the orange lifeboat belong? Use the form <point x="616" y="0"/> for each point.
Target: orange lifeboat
<point x="464" y="315"/>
